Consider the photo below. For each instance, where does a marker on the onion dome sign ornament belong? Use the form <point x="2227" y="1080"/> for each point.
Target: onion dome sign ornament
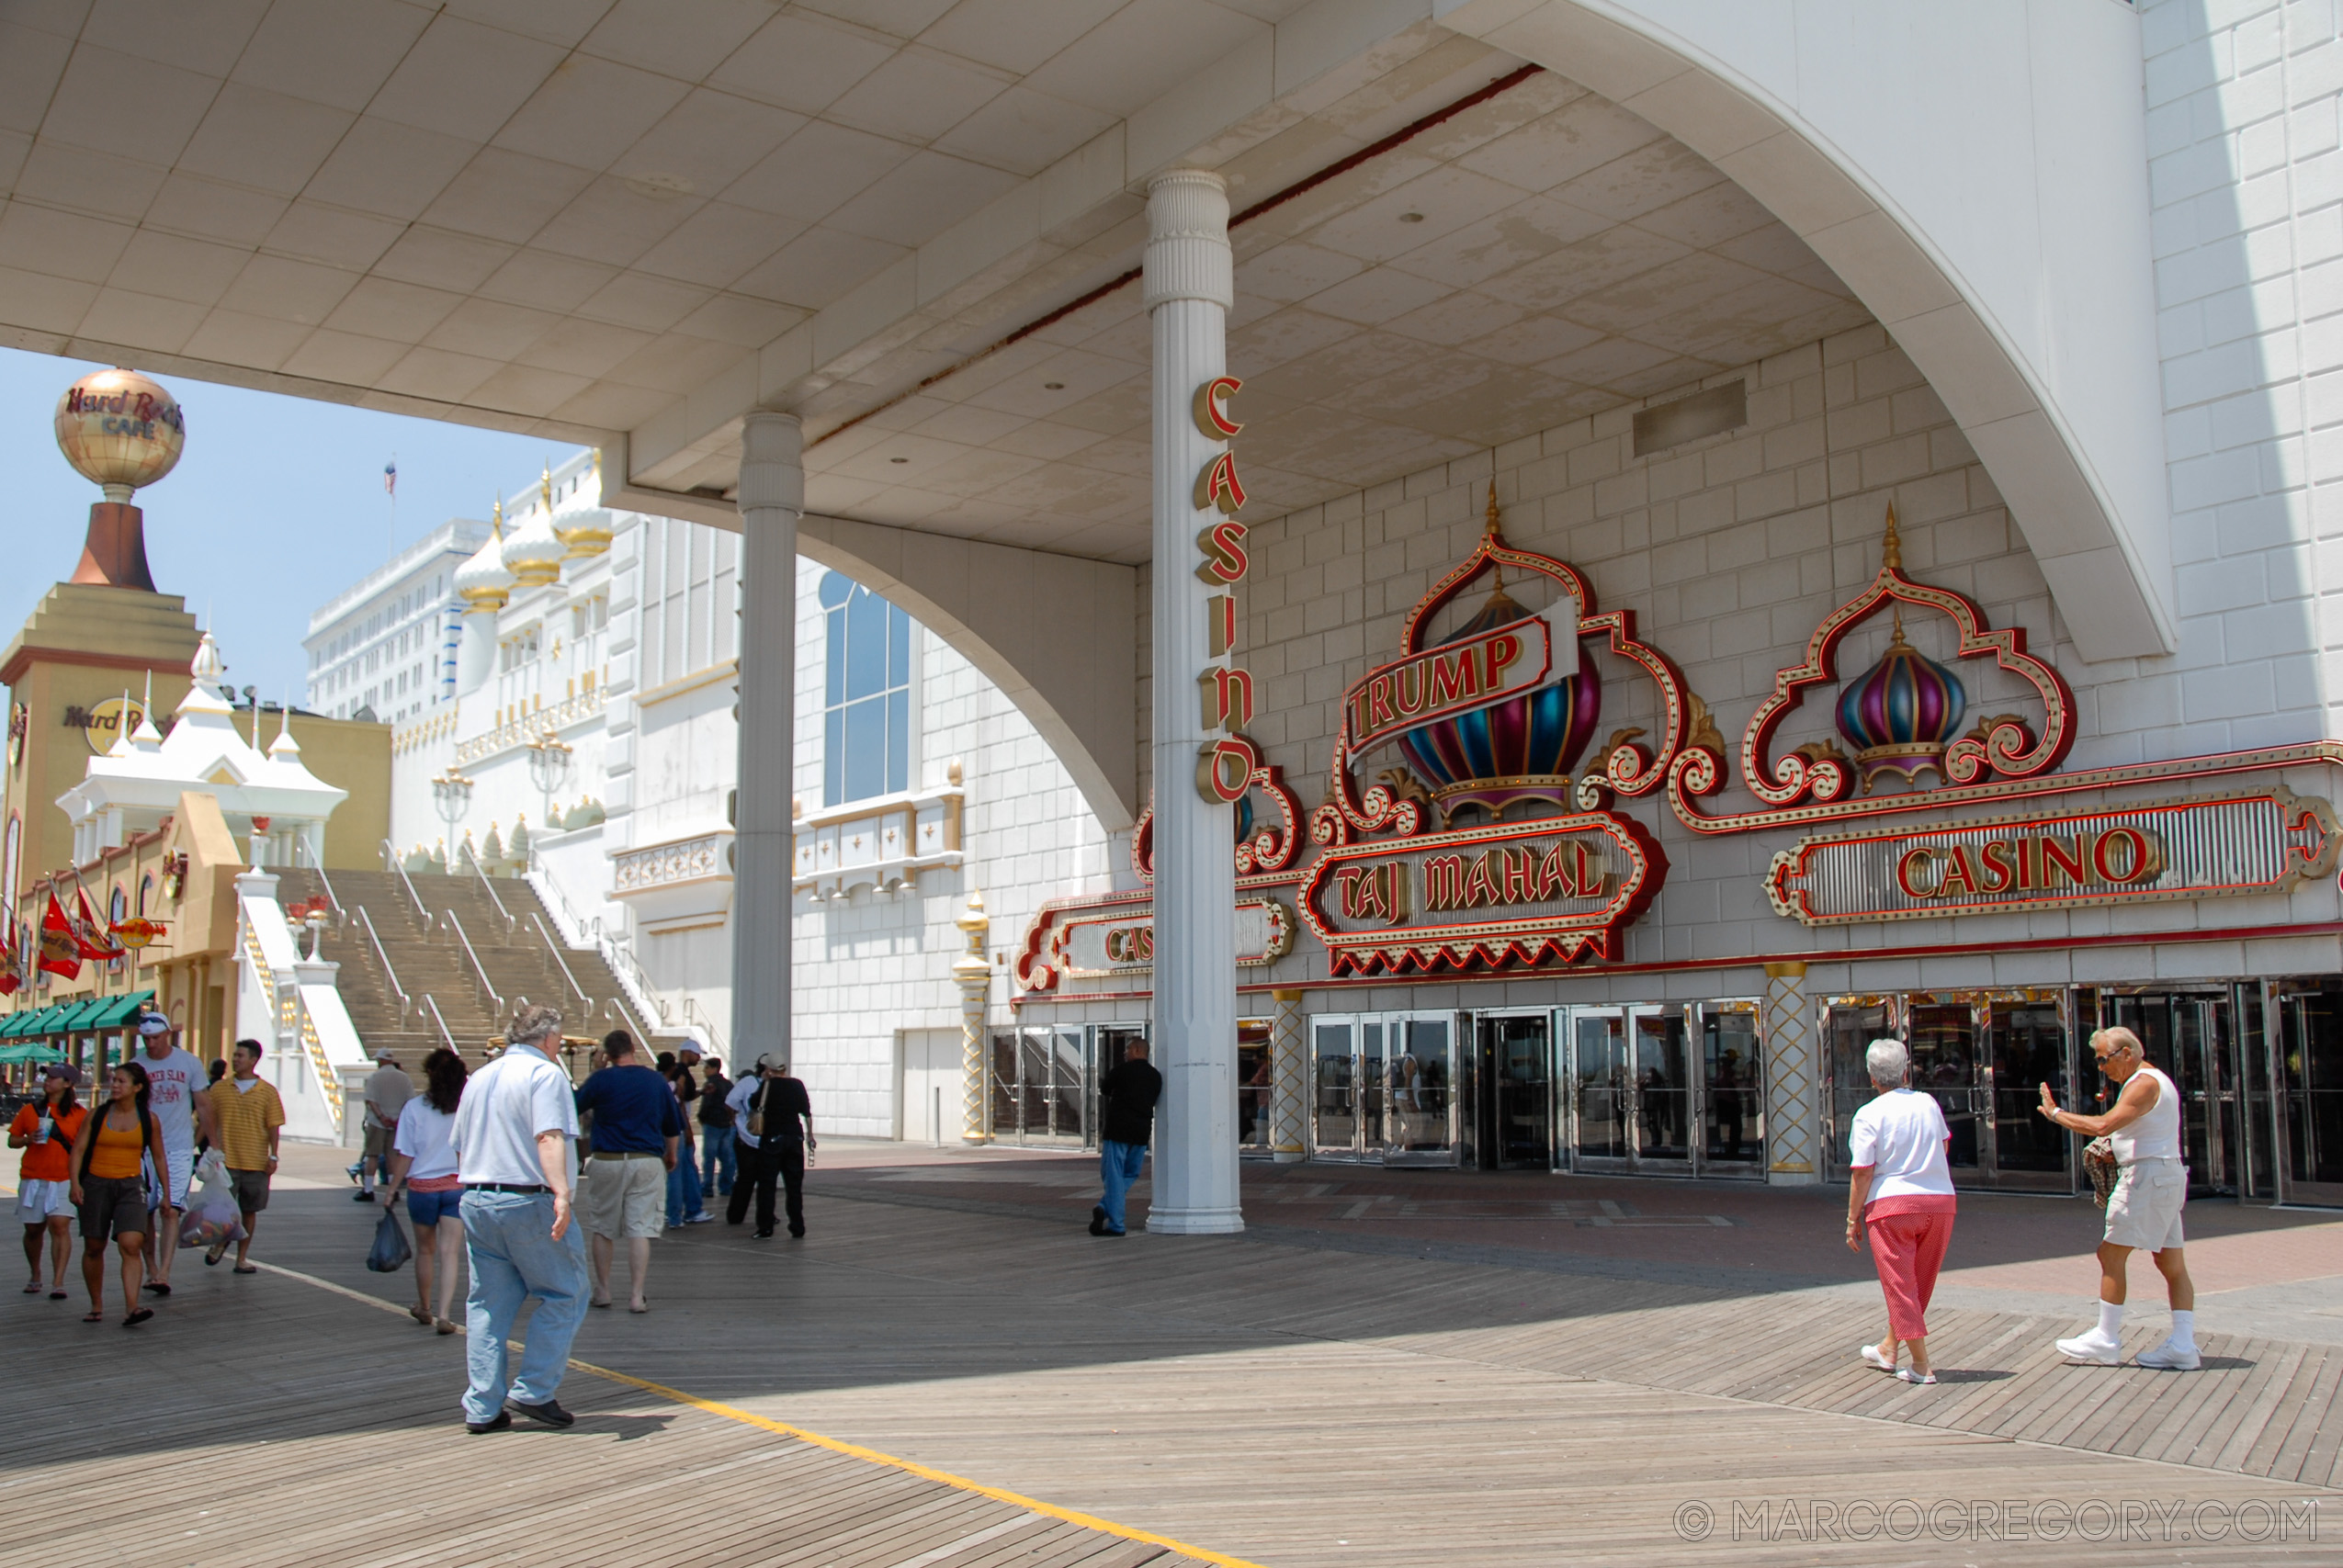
<point x="1496" y="715"/>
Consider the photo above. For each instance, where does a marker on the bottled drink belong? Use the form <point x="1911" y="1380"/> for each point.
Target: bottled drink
<point x="41" y="1130"/>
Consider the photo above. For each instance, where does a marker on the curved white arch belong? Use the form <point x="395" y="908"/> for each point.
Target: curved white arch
<point x="1053" y="632"/>
<point x="1977" y="175"/>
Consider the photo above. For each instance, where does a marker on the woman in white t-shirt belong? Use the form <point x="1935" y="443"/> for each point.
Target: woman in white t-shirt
<point x="422" y="1162"/>
<point x="1902" y="1195"/>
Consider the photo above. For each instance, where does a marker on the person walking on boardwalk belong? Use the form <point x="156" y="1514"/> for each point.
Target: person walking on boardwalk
<point x="176" y="1080"/>
<point x="387" y="1089"/>
<point x="47" y="1129"/>
<point x="1900" y="1195"/>
<point x="249" y="1118"/>
<point x="110" y="1191"/>
<point x="717" y="1150"/>
<point x="773" y="1124"/>
<point x="637" y="1125"/>
<point x="423" y="1161"/>
<point x="512" y="1134"/>
<point x="1126" y="1120"/>
<point x="686" y="1204"/>
<point x="2144" y="1211"/>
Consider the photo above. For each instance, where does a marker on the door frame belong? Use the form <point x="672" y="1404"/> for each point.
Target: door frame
<point x="1485" y="1086"/>
<point x="1452" y="1154"/>
<point x="1566" y="1081"/>
<point x="1697" y="1018"/>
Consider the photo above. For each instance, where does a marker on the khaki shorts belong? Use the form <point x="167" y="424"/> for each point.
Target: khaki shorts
<point x="627" y="1197"/>
<point x="378" y="1142"/>
<point x="2144" y="1209"/>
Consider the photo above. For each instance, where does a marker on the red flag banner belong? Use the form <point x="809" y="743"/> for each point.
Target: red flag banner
<point x="89" y="932"/>
<point x="59" y="950"/>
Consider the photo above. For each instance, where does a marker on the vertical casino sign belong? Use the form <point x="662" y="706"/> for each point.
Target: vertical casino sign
<point x="1225" y="763"/>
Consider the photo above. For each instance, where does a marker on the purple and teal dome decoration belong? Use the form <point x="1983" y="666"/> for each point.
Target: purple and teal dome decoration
<point x="1902" y="714"/>
<point x="1523" y="749"/>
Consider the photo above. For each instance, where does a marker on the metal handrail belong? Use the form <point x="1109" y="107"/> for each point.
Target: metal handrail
<point x="392" y="856"/>
<point x="383" y="957"/>
<point x="495" y="1002"/>
<point x="300" y="845"/>
<point x="444" y="1038"/>
<point x="567" y="912"/>
<point x="718" y="1048"/>
<point x="550" y="947"/>
<point x="504" y="914"/>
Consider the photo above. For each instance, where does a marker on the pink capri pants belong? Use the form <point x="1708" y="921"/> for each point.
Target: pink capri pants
<point x="1908" y="1249"/>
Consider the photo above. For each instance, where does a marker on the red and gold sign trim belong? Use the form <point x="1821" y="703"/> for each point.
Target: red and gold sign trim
<point x="1048" y="956"/>
<point x="1421" y="940"/>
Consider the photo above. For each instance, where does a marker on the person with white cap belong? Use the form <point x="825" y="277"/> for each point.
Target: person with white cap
<point x="176" y="1080"/>
<point x="387" y="1089"/>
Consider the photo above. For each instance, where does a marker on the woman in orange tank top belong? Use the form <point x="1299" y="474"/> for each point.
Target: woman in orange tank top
<point x="109" y="1188"/>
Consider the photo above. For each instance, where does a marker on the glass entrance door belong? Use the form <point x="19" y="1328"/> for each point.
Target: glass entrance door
<point x="2310" y="1046"/>
<point x="1629" y="1086"/>
<point x="2026" y="1045"/>
<point x="1382" y="1088"/>
<point x="1599" y="1088"/>
<point x="1732" y="1090"/>
<point x="1517" y="1063"/>
<point x="1941" y="1036"/>
<point x="2192" y="1036"/>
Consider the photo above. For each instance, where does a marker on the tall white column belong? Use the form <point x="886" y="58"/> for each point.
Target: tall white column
<point x="772" y="493"/>
<point x="1189" y="289"/>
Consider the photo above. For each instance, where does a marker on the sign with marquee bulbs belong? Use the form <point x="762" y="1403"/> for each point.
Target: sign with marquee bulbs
<point x="1226" y="763"/>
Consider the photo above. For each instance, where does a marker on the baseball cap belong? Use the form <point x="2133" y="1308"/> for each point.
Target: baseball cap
<point x="689" y="1048"/>
<point x="154" y="1023"/>
<point x="65" y="1070"/>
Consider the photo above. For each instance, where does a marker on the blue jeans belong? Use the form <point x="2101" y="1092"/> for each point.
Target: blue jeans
<point x="1119" y="1165"/>
<point x="718" y="1160"/>
<point x="684" y="1198"/>
<point x="514" y="1257"/>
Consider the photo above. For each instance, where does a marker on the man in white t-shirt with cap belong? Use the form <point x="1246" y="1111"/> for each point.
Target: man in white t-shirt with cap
<point x="175" y="1083"/>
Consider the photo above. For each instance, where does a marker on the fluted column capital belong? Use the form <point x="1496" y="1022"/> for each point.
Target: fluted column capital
<point x="772" y="462"/>
<point x="1187" y="239"/>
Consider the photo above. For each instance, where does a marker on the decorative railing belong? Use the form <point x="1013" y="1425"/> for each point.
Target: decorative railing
<point x="659" y="866"/>
<point x="292" y="1019"/>
<point x="884" y="843"/>
<point x="529" y="725"/>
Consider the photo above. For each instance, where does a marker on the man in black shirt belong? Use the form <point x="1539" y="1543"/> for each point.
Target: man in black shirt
<point x="773" y="1124"/>
<point x="1126" y="1098"/>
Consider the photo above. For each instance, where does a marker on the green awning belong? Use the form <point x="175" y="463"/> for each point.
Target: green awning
<point x="117" y="1010"/>
<point x="13" y="1024"/>
<point x="73" y="1017"/>
<point x="25" y="1051"/>
<point x="34" y="1023"/>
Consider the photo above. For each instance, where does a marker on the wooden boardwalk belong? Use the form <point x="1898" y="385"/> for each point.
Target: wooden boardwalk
<point x="1011" y="1391"/>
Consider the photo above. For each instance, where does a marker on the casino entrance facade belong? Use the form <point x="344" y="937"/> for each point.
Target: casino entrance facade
<point x="1607" y="794"/>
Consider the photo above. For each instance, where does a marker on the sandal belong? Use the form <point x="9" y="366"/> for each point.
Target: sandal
<point x="33" y="1289"/>
<point x="246" y="1268"/>
<point x="445" y="1326"/>
<point x="93" y="1317"/>
<point x="138" y="1318"/>
<point x="56" y="1295"/>
<point x="212" y="1256"/>
<point x="420" y="1315"/>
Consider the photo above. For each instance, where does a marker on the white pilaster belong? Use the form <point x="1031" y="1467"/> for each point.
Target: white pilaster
<point x="1189" y="290"/>
<point x="772" y="495"/>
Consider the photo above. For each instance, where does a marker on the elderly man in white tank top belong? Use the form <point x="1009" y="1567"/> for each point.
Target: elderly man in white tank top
<point x="2144" y="1209"/>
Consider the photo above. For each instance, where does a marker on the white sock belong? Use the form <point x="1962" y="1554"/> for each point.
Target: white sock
<point x="2184" y="1331"/>
<point x="2110" y="1320"/>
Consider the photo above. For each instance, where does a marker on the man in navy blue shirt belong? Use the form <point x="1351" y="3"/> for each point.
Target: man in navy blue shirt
<point x="636" y="1125"/>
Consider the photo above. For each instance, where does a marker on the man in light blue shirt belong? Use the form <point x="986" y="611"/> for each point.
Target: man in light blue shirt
<point x="513" y="1136"/>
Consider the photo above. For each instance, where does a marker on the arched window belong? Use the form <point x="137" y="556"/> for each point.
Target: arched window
<point x="866" y="700"/>
<point x="146" y="892"/>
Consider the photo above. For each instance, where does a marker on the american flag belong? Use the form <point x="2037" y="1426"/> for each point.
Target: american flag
<point x="391" y="478"/>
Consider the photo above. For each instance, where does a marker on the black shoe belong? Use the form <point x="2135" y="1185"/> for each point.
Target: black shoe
<point x="797" y="1233"/>
<point x="1098" y="1219"/>
<point x="1110" y="1233"/>
<point x="361" y="1197"/>
<point x="550" y="1413"/>
<point x="502" y="1423"/>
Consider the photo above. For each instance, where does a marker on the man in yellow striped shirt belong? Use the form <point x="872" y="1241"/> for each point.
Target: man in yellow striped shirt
<point x="250" y="1118"/>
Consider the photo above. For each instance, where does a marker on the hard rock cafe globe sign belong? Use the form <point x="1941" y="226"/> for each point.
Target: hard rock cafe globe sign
<point x="122" y="431"/>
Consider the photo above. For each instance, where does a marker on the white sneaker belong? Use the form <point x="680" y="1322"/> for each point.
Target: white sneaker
<point x="2091" y="1349"/>
<point x="2168" y="1357"/>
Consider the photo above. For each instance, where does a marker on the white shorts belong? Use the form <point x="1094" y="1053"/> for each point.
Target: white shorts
<point x="182" y="1174"/>
<point x="2144" y="1209"/>
<point x="37" y="1201"/>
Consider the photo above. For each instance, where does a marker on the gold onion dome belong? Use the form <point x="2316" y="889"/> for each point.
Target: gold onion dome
<point x="533" y="552"/>
<point x="485" y="583"/>
<point x="586" y="529"/>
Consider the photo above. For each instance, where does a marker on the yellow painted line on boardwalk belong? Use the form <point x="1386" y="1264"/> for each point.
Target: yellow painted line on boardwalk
<point x="851" y="1450"/>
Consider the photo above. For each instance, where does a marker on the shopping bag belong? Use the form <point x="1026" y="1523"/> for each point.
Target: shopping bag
<point x="390" y="1251"/>
<point x="2098" y="1164"/>
<point x="212" y="1215"/>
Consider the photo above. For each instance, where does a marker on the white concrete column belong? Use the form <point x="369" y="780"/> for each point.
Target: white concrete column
<point x="1793" y="1153"/>
<point x="1189" y="290"/>
<point x="772" y="493"/>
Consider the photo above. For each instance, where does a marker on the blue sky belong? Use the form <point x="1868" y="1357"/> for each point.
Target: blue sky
<point x="276" y="505"/>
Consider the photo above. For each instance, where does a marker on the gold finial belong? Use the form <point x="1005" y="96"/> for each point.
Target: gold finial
<point x="1490" y="528"/>
<point x="496" y="518"/>
<point x="1898" y="640"/>
<point x="1891" y="549"/>
<point x="545" y="487"/>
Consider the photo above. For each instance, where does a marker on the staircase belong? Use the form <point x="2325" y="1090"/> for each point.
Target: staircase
<point x="425" y="948"/>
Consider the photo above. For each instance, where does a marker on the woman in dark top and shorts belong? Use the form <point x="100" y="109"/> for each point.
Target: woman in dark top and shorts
<point x="109" y="1188"/>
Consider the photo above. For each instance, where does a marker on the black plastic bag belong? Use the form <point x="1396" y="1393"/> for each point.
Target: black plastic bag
<point x="390" y="1251"/>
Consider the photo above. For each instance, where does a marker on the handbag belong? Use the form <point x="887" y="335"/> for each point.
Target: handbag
<point x="390" y="1251"/>
<point x="2098" y="1164"/>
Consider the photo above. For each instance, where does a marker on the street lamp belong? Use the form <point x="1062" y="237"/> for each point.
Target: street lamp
<point x="548" y="768"/>
<point x="451" y="792"/>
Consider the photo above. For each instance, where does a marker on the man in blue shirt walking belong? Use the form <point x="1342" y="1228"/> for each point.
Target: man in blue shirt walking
<point x="636" y="1127"/>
